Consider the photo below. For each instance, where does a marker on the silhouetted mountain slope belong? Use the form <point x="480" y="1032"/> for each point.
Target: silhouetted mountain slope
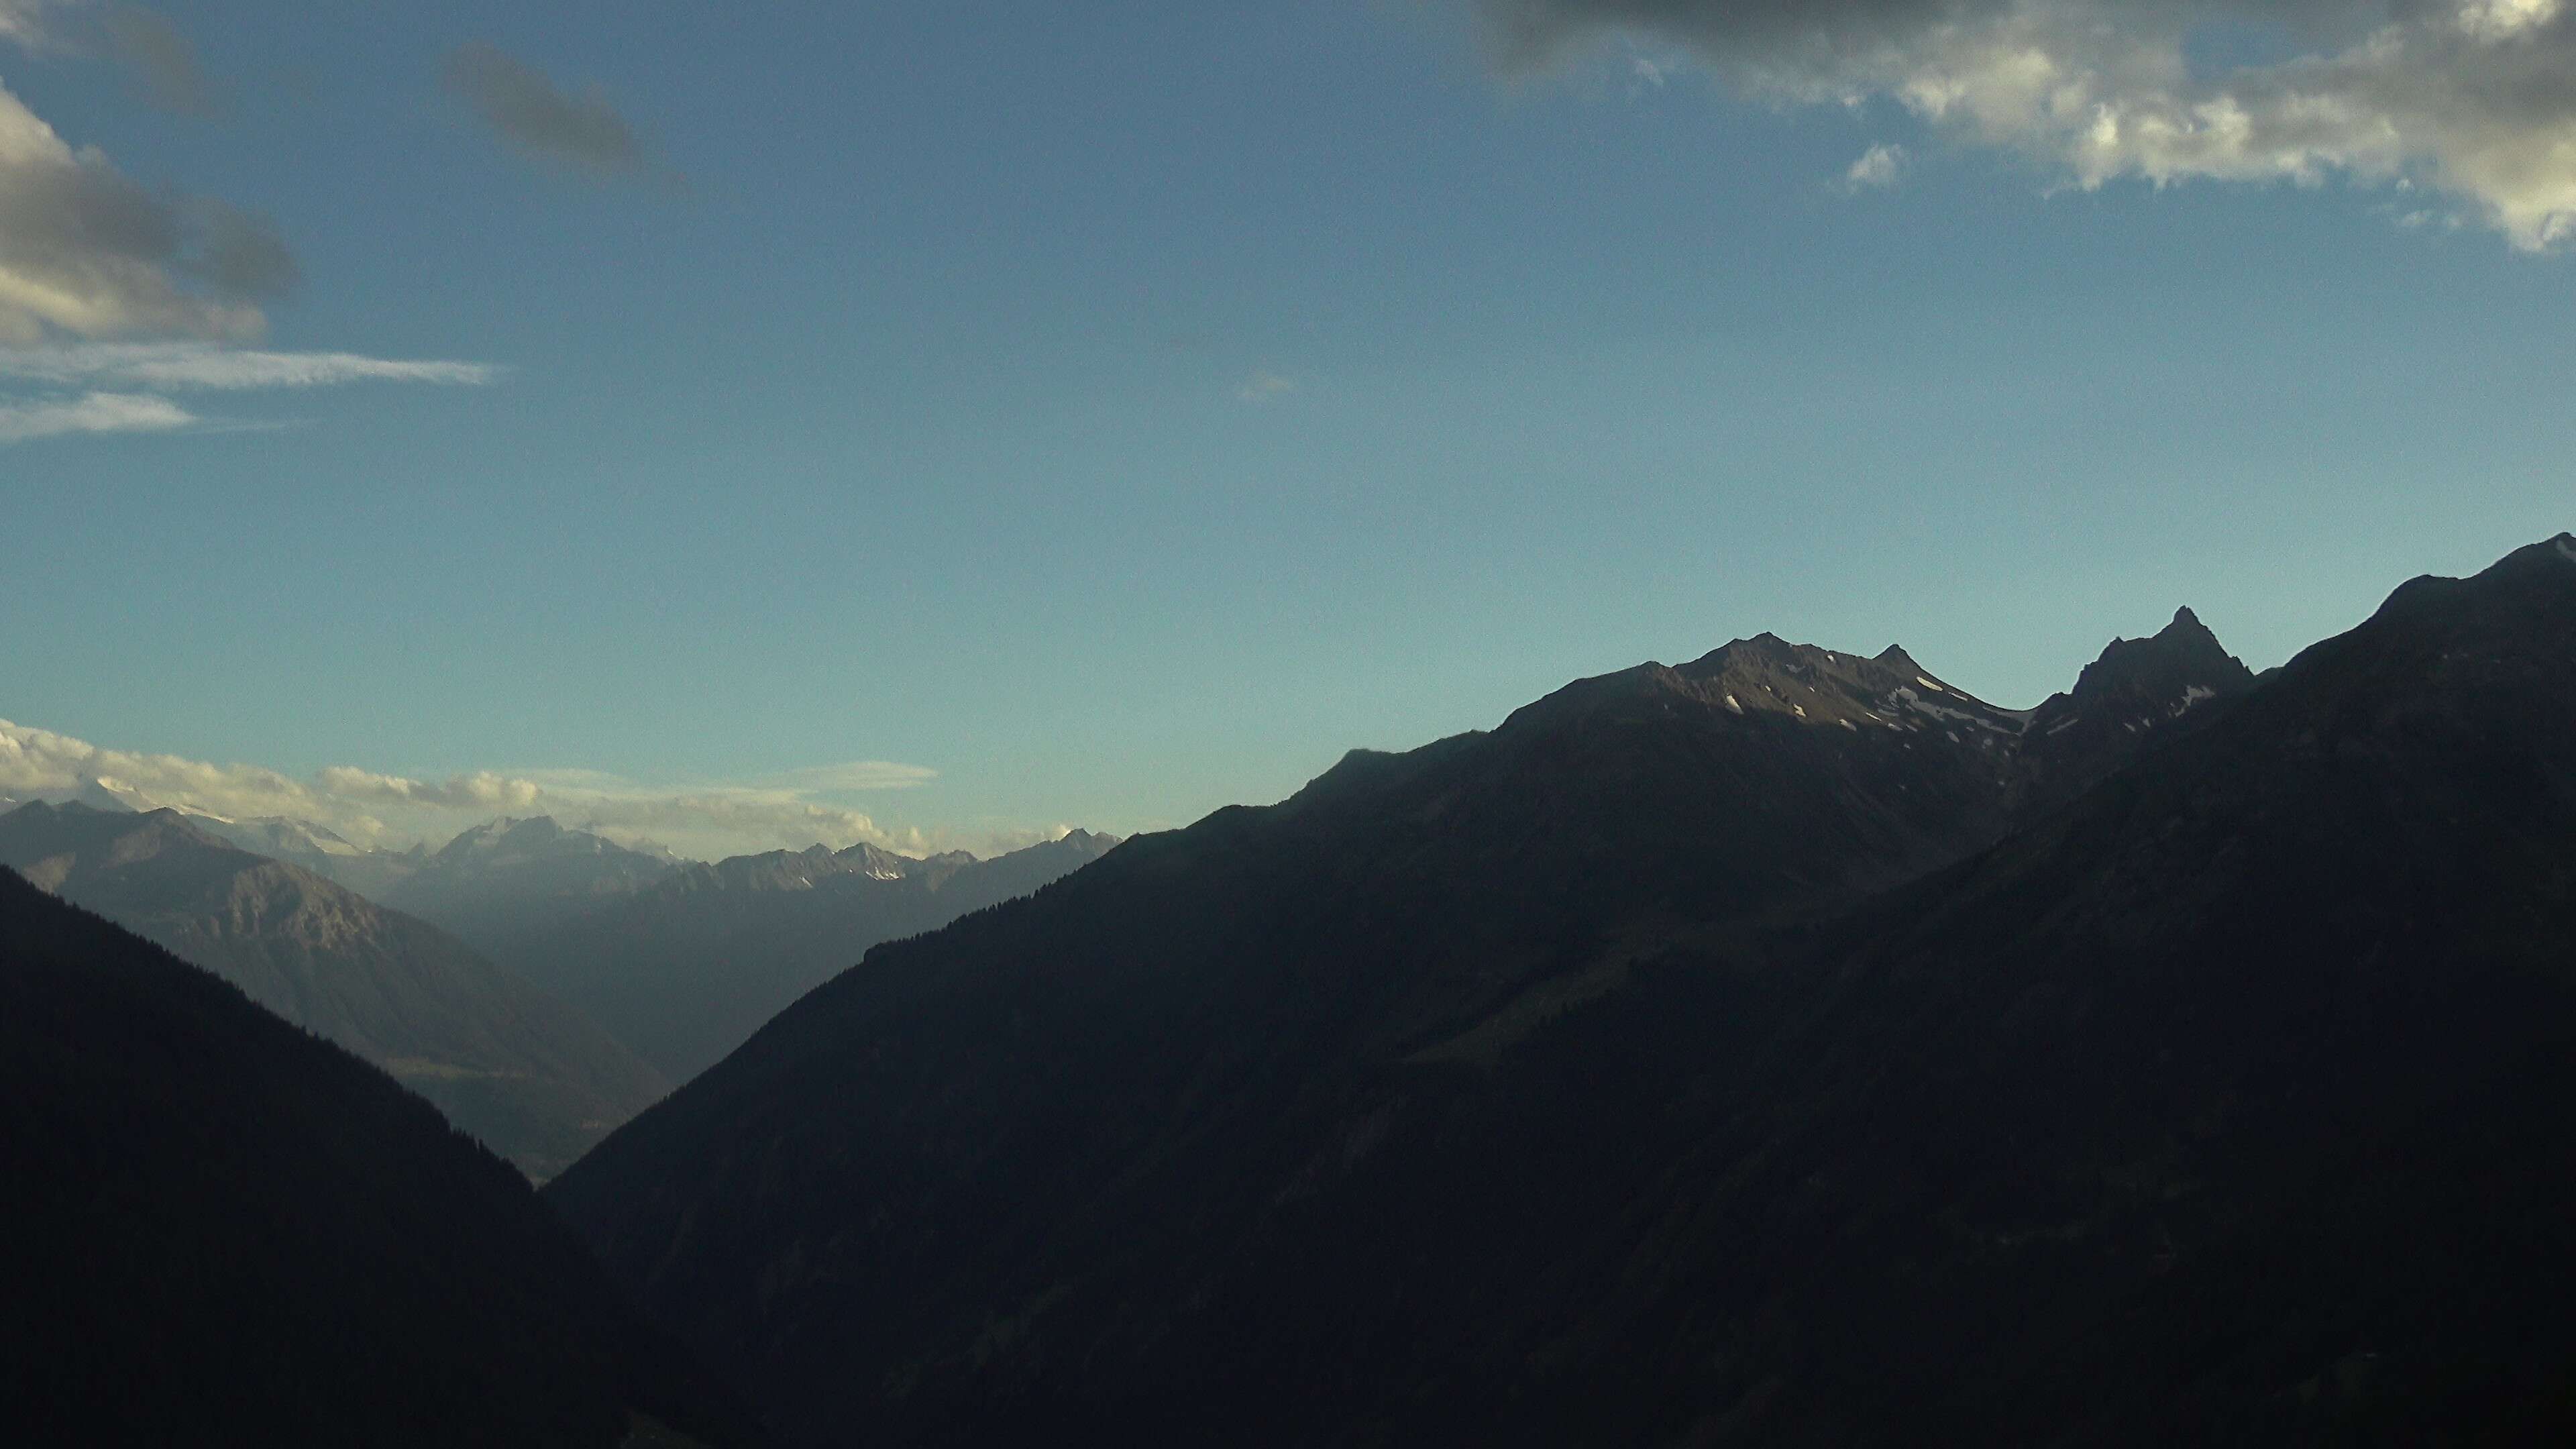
<point x="222" y="1230"/>
<point x="499" y="883"/>
<point x="689" y="967"/>
<point x="511" y="1064"/>
<point x="1561" y="1085"/>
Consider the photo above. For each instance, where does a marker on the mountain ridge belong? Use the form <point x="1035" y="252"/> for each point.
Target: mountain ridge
<point x="504" y="1060"/>
<point x="225" y="1230"/>
<point x="1207" y="1028"/>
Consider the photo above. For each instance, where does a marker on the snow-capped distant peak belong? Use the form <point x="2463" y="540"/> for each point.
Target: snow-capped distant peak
<point x="2567" y="547"/>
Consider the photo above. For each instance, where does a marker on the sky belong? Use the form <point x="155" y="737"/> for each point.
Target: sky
<point x="944" y="425"/>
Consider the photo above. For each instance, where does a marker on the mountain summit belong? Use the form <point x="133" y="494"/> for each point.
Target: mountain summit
<point x="1350" y="1105"/>
<point x="2178" y="679"/>
<point x="1738" y="1053"/>
<point x="498" y="883"/>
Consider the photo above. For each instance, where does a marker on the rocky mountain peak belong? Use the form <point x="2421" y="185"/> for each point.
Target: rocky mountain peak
<point x="2178" y="666"/>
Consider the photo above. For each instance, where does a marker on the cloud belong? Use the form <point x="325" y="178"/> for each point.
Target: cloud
<point x="713" y="819"/>
<point x="35" y="761"/>
<point x="88" y="254"/>
<point x="1261" y="387"/>
<point x="23" y="21"/>
<point x="2472" y="99"/>
<point x="163" y="60"/>
<point x="98" y="412"/>
<point x="86" y="251"/>
<point x="1876" y="167"/>
<point x="196" y="365"/>
<point x="109" y="369"/>
<point x="526" y="110"/>
<point x="481" y="791"/>
<point x="862" y="775"/>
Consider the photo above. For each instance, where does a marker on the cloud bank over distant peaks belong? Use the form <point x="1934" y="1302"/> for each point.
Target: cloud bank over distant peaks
<point x="2472" y="100"/>
<point x="788" y="811"/>
<point x="534" y="117"/>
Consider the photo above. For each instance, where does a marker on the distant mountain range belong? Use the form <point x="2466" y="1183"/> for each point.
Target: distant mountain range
<point x="222" y="1230"/>
<point x="370" y="872"/>
<point x="679" y="961"/>
<point x="518" y="1068"/>
<point x="499" y="883"/>
<point x="686" y="969"/>
<point x="1784" y="1048"/>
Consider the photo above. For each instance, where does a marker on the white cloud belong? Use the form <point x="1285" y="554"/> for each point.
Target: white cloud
<point x="1263" y="386"/>
<point x="1876" y="167"/>
<point x="97" y="412"/>
<point x="481" y="791"/>
<point x="709" y="819"/>
<point x="177" y="365"/>
<point x="180" y="366"/>
<point x="36" y="761"/>
<point x="2475" y="99"/>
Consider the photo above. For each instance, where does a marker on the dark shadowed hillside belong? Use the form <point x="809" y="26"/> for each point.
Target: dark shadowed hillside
<point x="1542" y="1086"/>
<point x="511" y="1064"/>
<point x="223" y="1230"/>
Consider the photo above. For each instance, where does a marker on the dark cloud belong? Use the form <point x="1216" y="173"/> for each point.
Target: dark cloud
<point x="239" y="253"/>
<point x="162" y="60"/>
<point x="527" y="111"/>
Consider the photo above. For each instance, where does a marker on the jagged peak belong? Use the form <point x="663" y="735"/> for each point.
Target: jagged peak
<point x="2184" y="654"/>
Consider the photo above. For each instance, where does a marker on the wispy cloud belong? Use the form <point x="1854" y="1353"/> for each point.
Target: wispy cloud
<point x="706" y="817"/>
<point x="97" y="412"/>
<point x="1264" y="386"/>
<point x="194" y="365"/>
<point x="96" y="387"/>
<point x="540" y="120"/>
<point x="860" y="775"/>
<point x="23" y="21"/>
<point x="2468" y="99"/>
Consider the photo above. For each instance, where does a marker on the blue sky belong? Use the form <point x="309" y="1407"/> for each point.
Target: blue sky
<point x="1116" y="418"/>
